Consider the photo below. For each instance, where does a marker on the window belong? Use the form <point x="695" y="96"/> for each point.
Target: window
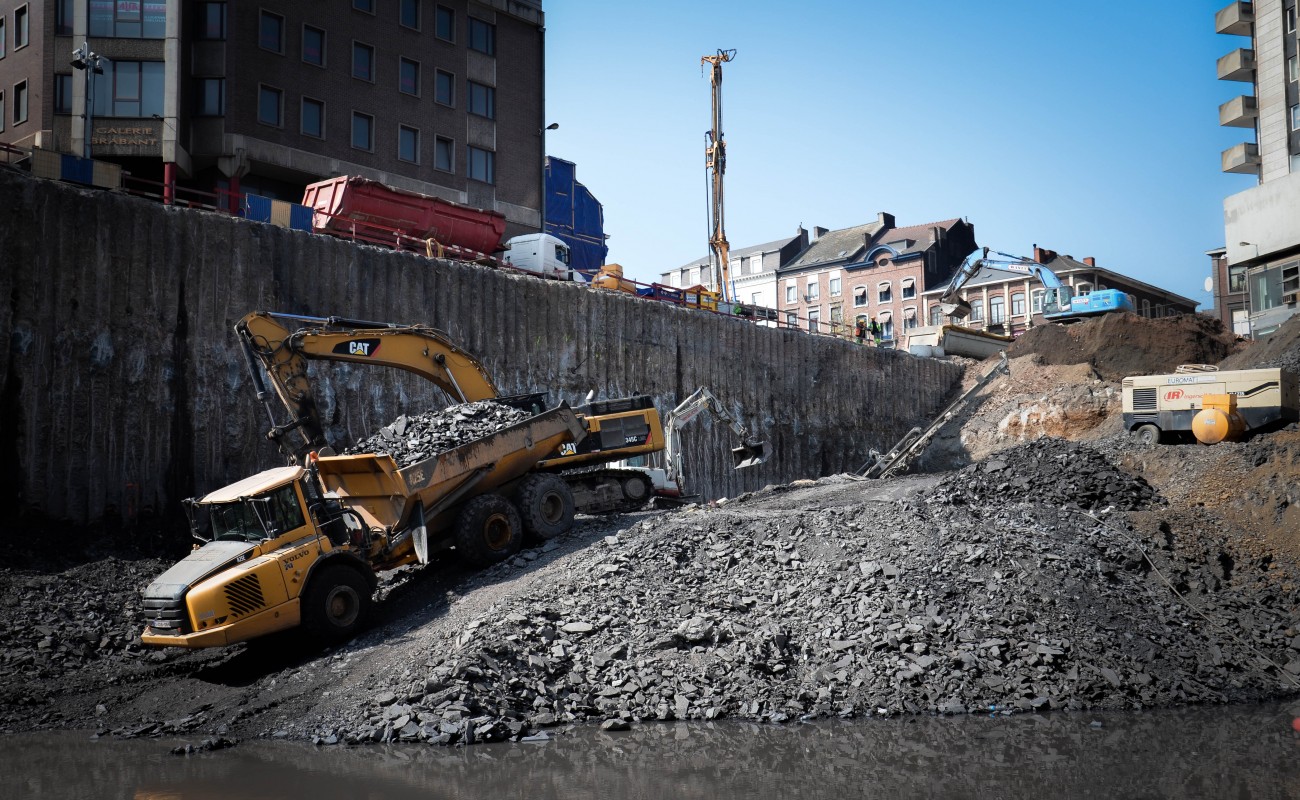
<point x="977" y="310"/>
<point x="63" y="18"/>
<point x="884" y="292"/>
<point x="695" y="277"/>
<point x="756" y="298"/>
<point x="814" y="320"/>
<point x="835" y="287"/>
<point x="20" y="28"/>
<point x="446" y="23"/>
<point x="210" y="21"/>
<point x="909" y="318"/>
<point x="129" y="20"/>
<point x="1018" y="304"/>
<point x="313" y="45"/>
<point x="363" y="131"/>
<point x="408" y="14"/>
<point x="367" y="6"/>
<point x="210" y="97"/>
<point x="1295" y="117"/>
<point x="814" y="291"/>
<point x="408" y="144"/>
<point x="1146" y="308"/>
<point x="791" y="293"/>
<point x="444" y="158"/>
<point x="887" y="328"/>
<point x="859" y="296"/>
<point x="909" y="288"/>
<point x="20" y="103"/>
<point x="482" y="165"/>
<point x="270" y="34"/>
<point x="482" y="100"/>
<point x="755" y="264"/>
<point x="408" y="76"/>
<point x="2" y="36"/>
<point x="792" y="320"/>
<point x="2" y="112"/>
<point x="1290" y="19"/>
<point x="1293" y="69"/>
<point x="997" y="310"/>
<point x="363" y="61"/>
<point x="62" y="94"/>
<point x="444" y="88"/>
<point x="268" y="105"/>
<point x="1036" y="301"/>
<point x="482" y="36"/>
<point x="837" y="318"/>
<point x="313" y="118"/>
<point x="1083" y="289"/>
<point x="129" y="89"/>
<point x="936" y="315"/>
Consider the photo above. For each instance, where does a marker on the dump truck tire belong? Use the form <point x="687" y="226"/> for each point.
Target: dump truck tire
<point x="545" y="507"/>
<point x="1147" y="434"/>
<point x="336" y="604"/>
<point x="488" y="530"/>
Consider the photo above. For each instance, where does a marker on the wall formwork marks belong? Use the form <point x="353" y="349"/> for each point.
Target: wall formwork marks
<point x="123" y="390"/>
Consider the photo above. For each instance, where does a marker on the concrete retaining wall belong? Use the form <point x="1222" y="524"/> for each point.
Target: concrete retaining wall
<point x="122" y="389"/>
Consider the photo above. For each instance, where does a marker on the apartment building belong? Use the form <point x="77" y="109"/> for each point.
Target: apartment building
<point x="1261" y="226"/>
<point x="752" y="270"/>
<point x="441" y="97"/>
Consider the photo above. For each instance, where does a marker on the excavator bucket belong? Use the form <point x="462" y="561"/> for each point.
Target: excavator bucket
<point x="750" y="454"/>
<point x="957" y="309"/>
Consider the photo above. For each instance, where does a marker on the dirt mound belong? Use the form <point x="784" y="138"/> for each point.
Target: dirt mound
<point x="1118" y="345"/>
<point x="1279" y="349"/>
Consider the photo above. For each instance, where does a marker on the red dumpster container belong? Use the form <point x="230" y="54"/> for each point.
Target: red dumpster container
<point x="350" y="198"/>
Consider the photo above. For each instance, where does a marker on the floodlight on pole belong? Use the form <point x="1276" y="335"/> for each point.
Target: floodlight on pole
<point x="91" y="63"/>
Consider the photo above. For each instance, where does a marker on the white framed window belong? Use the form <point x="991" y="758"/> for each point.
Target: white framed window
<point x="859" y="297"/>
<point x="997" y="309"/>
<point x="695" y="276"/>
<point x="1036" y="303"/>
<point x="755" y="264"/>
<point x="1146" y="308"/>
<point x="1018" y="304"/>
<point x="909" y="318"/>
<point x="756" y="298"/>
<point x="791" y="293"/>
<point x="1083" y="289"/>
<point x="936" y="315"/>
<point x="977" y="310"/>
<point x="837" y="318"/>
<point x="1290" y="19"/>
<point x="1293" y="69"/>
<point x="21" y="39"/>
<point x="814" y="320"/>
<point x="886" y="320"/>
<point x="792" y="320"/>
<point x="884" y="292"/>
<point x="814" y="290"/>
<point x="1295" y="117"/>
<point x="908" y="287"/>
<point x="835" y="287"/>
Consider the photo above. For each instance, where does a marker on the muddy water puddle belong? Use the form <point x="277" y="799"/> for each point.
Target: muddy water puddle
<point x="1239" y="752"/>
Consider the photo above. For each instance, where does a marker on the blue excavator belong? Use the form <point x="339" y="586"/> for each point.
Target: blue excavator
<point x="1060" y="303"/>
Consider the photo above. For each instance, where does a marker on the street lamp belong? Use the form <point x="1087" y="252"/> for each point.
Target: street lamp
<point x="90" y="62"/>
<point x="1250" y="312"/>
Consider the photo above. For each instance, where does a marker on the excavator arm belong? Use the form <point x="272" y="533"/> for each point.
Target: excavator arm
<point x="951" y="304"/>
<point x="280" y="345"/>
<point x="751" y="452"/>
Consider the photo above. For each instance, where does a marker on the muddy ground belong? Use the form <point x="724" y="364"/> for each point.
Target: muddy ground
<point x="1043" y="561"/>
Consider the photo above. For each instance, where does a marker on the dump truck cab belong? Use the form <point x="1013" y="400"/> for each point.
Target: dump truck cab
<point x="265" y="538"/>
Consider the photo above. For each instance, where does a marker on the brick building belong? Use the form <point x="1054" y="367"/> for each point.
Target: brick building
<point x="1228" y="284"/>
<point x="876" y="270"/>
<point x="442" y="97"/>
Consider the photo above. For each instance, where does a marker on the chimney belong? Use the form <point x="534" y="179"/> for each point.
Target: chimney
<point x="818" y="232"/>
<point x="885" y="219"/>
<point x="1038" y="254"/>
<point x="802" y="233"/>
<point x="1090" y="261"/>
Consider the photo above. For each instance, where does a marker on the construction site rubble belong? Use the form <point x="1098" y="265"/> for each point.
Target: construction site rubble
<point x="410" y="439"/>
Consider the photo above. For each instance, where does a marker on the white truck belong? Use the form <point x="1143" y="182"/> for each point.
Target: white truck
<point x="543" y="254"/>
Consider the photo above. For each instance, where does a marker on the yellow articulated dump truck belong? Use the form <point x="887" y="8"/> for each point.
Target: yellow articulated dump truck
<point x="1203" y="403"/>
<point x="300" y="545"/>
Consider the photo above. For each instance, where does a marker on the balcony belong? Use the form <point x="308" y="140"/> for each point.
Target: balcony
<point x="1239" y="112"/>
<point x="1239" y="65"/>
<point x="1235" y="19"/>
<point x="1242" y="158"/>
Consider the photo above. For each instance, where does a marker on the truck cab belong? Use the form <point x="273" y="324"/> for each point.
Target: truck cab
<point x="544" y="254"/>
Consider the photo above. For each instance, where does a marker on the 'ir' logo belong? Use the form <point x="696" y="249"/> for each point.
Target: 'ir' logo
<point x="1174" y="394"/>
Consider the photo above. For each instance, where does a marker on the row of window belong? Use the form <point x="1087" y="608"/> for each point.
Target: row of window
<point x="480" y="36"/>
<point x="481" y="163"/>
<point x="884" y="292"/>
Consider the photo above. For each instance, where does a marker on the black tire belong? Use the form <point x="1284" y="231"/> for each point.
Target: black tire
<point x="637" y="488"/>
<point x="336" y="604"/>
<point x="1147" y="434"/>
<point x="545" y="506"/>
<point x="488" y="530"/>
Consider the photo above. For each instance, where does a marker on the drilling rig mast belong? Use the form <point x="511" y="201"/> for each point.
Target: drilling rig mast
<point x="715" y="159"/>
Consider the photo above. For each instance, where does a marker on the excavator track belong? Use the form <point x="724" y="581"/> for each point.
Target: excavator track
<point x="602" y="490"/>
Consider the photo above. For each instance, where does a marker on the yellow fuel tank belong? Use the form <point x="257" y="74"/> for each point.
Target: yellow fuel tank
<point x="1218" y="420"/>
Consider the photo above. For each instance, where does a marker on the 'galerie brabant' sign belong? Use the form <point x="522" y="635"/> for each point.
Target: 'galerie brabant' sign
<point x="124" y="136"/>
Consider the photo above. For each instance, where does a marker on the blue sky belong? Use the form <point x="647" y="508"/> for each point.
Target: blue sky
<point x="1090" y="128"/>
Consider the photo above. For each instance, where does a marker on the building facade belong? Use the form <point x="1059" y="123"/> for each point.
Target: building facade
<point x="1261" y="226"/>
<point x="1010" y="301"/>
<point x="752" y="271"/>
<point x="876" y="271"/>
<point x="441" y="97"/>
<point x="1228" y="285"/>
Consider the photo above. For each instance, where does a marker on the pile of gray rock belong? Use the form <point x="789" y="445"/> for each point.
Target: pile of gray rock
<point x="988" y="596"/>
<point x="410" y="439"/>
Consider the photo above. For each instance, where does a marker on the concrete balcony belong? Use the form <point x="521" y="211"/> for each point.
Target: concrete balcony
<point x="1239" y="112"/>
<point x="1235" y="19"/>
<point x="1242" y="158"/>
<point x="1239" y="65"/>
